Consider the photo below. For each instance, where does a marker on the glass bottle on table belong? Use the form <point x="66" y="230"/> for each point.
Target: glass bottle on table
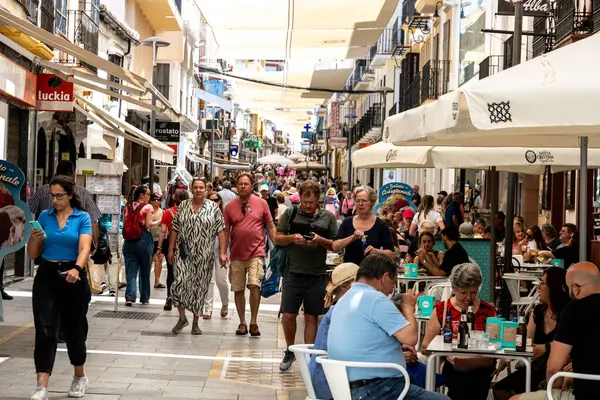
<point x="463" y="331"/>
<point x="448" y="329"/>
<point x="521" y="339"/>
<point x="471" y="317"/>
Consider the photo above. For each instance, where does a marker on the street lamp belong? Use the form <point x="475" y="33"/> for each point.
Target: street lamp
<point x="155" y="42"/>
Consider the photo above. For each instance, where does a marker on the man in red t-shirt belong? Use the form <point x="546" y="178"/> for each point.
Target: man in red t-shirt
<point x="245" y="220"/>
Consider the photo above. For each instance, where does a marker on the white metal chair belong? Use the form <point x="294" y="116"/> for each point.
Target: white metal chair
<point x="303" y="353"/>
<point x="441" y="291"/>
<point x="574" y="375"/>
<point x="337" y="375"/>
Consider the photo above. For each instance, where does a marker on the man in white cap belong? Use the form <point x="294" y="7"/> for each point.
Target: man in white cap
<point x="341" y="279"/>
<point x="271" y="201"/>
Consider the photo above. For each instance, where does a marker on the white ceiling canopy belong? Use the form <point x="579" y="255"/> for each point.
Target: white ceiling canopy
<point x="288" y="29"/>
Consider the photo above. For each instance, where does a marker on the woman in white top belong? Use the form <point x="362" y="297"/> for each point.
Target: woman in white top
<point x="425" y="212"/>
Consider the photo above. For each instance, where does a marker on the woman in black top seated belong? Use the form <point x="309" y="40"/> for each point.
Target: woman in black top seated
<point x="364" y="233"/>
<point x="554" y="295"/>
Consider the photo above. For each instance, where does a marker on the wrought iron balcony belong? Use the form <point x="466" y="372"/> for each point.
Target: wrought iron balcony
<point x="394" y="109"/>
<point x="541" y="44"/>
<point x="370" y="119"/>
<point x="434" y="78"/>
<point x="388" y="40"/>
<point x="82" y="30"/>
<point x="408" y="11"/>
<point x="573" y="18"/>
<point x="490" y="65"/>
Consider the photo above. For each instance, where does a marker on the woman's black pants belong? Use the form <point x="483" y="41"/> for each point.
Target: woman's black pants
<point x="55" y="299"/>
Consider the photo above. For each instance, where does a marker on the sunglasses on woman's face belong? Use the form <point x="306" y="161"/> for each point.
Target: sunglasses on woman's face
<point x="215" y="200"/>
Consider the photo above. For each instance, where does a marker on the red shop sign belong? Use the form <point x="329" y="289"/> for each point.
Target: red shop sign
<point x="54" y="93"/>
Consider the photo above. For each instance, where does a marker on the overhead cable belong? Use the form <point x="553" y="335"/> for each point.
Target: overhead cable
<point x="284" y="86"/>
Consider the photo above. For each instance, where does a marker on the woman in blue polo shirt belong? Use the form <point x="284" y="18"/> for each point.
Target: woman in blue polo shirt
<point x="60" y="288"/>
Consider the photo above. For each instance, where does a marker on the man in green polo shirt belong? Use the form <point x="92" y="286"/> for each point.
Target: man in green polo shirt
<point x="305" y="280"/>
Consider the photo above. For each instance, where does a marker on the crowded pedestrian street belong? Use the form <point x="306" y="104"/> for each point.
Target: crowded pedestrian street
<point x="133" y="356"/>
<point x="299" y="199"/>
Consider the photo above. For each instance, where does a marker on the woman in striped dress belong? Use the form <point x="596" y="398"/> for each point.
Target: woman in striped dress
<point x="195" y="228"/>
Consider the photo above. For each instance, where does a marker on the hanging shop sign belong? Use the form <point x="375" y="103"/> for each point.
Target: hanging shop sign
<point x="531" y="8"/>
<point x="234" y="149"/>
<point x="16" y="82"/>
<point x="168" y="131"/>
<point x="54" y="93"/>
<point x="221" y="146"/>
<point x="15" y="227"/>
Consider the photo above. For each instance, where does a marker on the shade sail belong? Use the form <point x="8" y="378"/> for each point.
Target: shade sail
<point x="527" y="160"/>
<point x="275" y="159"/>
<point x="158" y="151"/>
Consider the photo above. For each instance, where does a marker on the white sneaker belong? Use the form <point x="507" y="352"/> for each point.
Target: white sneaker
<point x="40" y="394"/>
<point x="78" y="387"/>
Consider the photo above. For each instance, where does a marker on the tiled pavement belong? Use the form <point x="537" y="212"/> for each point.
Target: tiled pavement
<point x="140" y="359"/>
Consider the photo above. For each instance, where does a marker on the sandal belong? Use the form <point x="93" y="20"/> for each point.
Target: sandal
<point x="224" y="311"/>
<point x="242" y="330"/>
<point x="254" y="330"/>
<point x="207" y="315"/>
<point x="159" y="286"/>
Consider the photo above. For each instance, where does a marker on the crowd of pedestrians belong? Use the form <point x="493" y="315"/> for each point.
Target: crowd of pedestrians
<point x="216" y="236"/>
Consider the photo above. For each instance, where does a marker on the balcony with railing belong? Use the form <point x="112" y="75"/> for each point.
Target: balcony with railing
<point x="83" y="31"/>
<point x="370" y="120"/>
<point x="383" y="49"/>
<point x="361" y="75"/>
<point x="491" y="65"/>
<point x="596" y="14"/>
<point x="573" y="19"/>
<point x="541" y="44"/>
<point x="434" y="79"/>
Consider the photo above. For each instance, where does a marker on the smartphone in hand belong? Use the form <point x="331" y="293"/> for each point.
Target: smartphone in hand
<point x="35" y="225"/>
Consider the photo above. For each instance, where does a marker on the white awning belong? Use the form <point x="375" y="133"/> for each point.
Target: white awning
<point x="158" y="151"/>
<point x="218" y="163"/>
<point x="59" y="43"/>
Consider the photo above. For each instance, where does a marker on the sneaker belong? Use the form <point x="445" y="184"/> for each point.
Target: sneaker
<point x="6" y="296"/>
<point x="196" y="330"/>
<point x="40" y="394"/>
<point x="78" y="387"/>
<point x="168" y="304"/>
<point x="112" y="293"/>
<point x="288" y="360"/>
<point x="182" y="323"/>
<point x="129" y="303"/>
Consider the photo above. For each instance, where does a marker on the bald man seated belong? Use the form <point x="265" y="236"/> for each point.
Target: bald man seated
<point x="577" y="338"/>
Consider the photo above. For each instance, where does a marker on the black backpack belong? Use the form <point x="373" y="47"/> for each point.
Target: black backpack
<point x="103" y="254"/>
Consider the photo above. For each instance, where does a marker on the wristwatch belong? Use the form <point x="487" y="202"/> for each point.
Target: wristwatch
<point x="78" y="268"/>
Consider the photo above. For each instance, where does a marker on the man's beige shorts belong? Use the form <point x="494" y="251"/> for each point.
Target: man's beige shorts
<point x="239" y="269"/>
<point x="557" y="394"/>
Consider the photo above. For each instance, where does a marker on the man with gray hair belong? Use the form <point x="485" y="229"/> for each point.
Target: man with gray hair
<point x="550" y="237"/>
<point x="226" y="194"/>
<point x="576" y="337"/>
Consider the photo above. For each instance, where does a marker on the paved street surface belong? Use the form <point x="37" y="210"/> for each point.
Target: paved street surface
<point x="140" y="359"/>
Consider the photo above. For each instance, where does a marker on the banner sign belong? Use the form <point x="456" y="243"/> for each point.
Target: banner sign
<point x="54" y="93"/>
<point x="531" y="8"/>
<point x="221" y="146"/>
<point x="17" y="82"/>
<point x="15" y="228"/>
<point x="168" y="131"/>
<point x="399" y="189"/>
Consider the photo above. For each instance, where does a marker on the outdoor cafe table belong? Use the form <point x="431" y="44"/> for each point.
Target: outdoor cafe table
<point x="428" y="279"/>
<point x="437" y="348"/>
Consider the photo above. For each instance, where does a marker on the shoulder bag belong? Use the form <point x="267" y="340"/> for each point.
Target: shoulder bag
<point x="279" y="254"/>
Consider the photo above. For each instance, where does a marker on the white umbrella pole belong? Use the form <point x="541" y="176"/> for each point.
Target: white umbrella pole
<point x="583" y="198"/>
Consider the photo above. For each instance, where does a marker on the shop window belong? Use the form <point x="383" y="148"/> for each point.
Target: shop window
<point x="162" y="79"/>
<point x="95" y="11"/>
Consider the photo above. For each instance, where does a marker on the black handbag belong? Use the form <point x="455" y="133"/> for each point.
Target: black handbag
<point x="184" y="252"/>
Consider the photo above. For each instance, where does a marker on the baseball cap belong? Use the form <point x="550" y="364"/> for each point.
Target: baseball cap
<point x="341" y="274"/>
<point x="443" y="192"/>
<point x="408" y="213"/>
<point x="263" y="187"/>
<point x="295" y="198"/>
<point x="275" y="193"/>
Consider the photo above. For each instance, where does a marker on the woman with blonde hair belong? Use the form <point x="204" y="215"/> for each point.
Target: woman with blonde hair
<point x="332" y="203"/>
